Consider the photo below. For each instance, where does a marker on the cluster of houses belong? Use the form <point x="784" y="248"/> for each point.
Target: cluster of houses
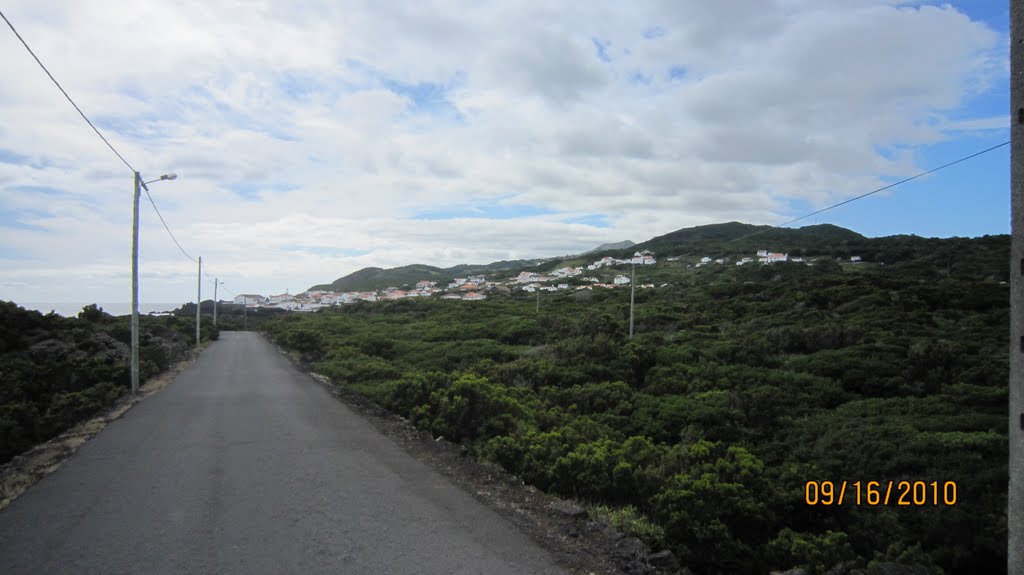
<point x="763" y="257"/>
<point x="312" y="300"/>
<point x="639" y="258"/>
<point x="474" y="288"/>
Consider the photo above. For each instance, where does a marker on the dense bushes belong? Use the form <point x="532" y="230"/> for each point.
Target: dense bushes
<point x="57" y="371"/>
<point x="706" y="426"/>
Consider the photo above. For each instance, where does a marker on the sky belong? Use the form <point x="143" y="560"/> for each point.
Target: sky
<point x="314" y="139"/>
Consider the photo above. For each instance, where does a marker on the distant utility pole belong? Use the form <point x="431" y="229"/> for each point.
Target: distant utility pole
<point x="216" y="282"/>
<point x="199" y="297"/>
<point x="632" y="298"/>
<point x="1015" y="502"/>
<point x="538" y="300"/>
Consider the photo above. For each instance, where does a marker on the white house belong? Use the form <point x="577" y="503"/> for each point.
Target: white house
<point x="249" y="299"/>
<point x="720" y="261"/>
<point x="705" y="260"/>
<point x="854" y="258"/>
<point x="643" y="258"/>
<point x="775" y="257"/>
<point x="280" y="298"/>
<point x="762" y="253"/>
<point x="621" y="280"/>
<point x="605" y="261"/>
<point x="527" y="277"/>
<point x="476" y="280"/>
<point x="563" y="286"/>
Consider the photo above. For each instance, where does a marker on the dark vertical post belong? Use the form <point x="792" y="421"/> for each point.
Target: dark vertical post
<point x="1015" y="502"/>
<point x="199" y="296"/>
<point x="135" y="284"/>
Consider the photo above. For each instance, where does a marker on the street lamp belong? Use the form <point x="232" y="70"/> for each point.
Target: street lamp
<point x="139" y="184"/>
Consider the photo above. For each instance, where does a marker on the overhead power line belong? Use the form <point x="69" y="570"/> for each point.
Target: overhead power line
<point x="166" y="227"/>
<point x="63" y="91"/>
<point x="882" y="189"/>
<point x="98" y="133"/>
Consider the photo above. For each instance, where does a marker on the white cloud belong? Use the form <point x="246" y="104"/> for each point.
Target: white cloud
<point x="306" y="132"/>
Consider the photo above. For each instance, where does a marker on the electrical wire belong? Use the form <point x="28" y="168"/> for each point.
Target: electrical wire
<point x="105" y="141"/>
<point x="166" y="227"/>
<point x="882" y="189"/>
<point x="63" y="91"/>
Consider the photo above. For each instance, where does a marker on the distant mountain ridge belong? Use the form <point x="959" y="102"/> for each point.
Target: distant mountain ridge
<point x="986" y="256"/>
<point x="606" y="247"/>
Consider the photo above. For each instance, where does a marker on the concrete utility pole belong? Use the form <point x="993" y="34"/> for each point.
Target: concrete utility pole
<point x="216" y="282"/>
<point x="135" y="284"/>
<point x="538" y="300"/>
<point x="139" y="184"/>
<point x="199" y="297"/>
<point x="1015" y="502"/>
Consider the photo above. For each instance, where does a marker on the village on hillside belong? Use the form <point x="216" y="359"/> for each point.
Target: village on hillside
<point x="478" y="287"/>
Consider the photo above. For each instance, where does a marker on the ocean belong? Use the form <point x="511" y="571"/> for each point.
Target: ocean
<point x="71" y="309"/>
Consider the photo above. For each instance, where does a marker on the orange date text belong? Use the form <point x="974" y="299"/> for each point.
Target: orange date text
<point x="901" y="493"/>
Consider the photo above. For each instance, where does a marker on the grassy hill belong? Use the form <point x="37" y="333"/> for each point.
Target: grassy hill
<point x="368" y="279"/>
<point x="978" y="258"/>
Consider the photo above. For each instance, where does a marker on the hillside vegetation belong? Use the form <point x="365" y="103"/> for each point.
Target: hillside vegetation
<point x="963" y="257"/>
<point x="743" y="383"/>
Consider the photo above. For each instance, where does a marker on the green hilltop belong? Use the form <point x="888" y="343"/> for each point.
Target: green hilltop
<point x="980" y="258"/>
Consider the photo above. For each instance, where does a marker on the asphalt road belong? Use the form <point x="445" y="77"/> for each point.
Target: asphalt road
<point x="244" y="465"/>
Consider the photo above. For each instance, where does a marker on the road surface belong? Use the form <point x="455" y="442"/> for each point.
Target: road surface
<point x="245" y="465"/>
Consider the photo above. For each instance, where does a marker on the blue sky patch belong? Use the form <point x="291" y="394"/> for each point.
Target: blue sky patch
<point x="252" y="190"/>
<point x="593" y="220"/>
<point x="46" y="190"/>
<point x="13" y="219"/>
<point x="488" y="211"/>
<point x="654" y="32"/>
<point x="9" y="157"/>
<point x="299" y="86"/>
<point x="676" y="73"/>
<point x="639" y="79"/>
<point x="602" y="50"/>
<point x="327" y="251"/>
<point x="427" y="97"/>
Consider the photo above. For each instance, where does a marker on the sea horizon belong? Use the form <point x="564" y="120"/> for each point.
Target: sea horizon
<point x="71" y="309"/>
